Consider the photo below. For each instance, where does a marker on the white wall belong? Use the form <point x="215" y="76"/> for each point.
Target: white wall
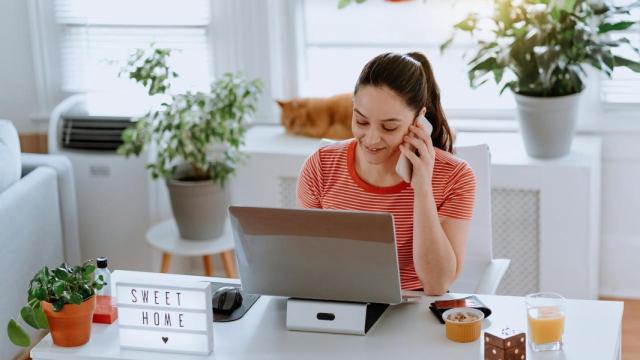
<point x="620" y="241"/>
<point x="18" y="101"/>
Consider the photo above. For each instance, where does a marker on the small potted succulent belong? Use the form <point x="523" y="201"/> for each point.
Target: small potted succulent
<point x="539" y="49"/>
<point x="194" y="140"/>
<point x="61" y="300"/>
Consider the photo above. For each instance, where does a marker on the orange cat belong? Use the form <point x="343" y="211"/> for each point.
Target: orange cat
<point x="318" y="117"/>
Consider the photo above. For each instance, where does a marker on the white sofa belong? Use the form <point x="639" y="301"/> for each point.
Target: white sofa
<point x="38" y="222"/>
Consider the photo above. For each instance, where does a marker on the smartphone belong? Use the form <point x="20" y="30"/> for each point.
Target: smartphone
<point x="403" y="167"/>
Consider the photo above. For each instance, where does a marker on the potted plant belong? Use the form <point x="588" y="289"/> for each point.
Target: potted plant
<point x="61" y="300"/>
<point x="195" y="138"/>
<point x="538" y="50"/>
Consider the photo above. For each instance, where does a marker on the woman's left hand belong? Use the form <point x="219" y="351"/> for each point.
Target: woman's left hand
<point x="423" y="164"/>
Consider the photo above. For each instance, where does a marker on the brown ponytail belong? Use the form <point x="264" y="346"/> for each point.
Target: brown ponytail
<point x="411" y="77"/>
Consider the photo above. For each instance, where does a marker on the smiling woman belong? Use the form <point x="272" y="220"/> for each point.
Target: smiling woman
<point x="433" y="212"/>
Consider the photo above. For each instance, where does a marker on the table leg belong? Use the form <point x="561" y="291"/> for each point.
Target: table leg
<point x="228" y="261"/>
<point x="166" y="262"/>
<point x="208" y="265"/>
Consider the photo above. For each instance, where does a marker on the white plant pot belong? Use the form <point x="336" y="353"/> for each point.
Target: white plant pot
<point x="547" y="124"/>
<point x="199" y="207"/>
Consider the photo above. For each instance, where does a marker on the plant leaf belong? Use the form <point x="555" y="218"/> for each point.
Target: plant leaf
<point x="622" y="25"/>
<point x="632" y="65"/>
<point x="446" y="44"/>
<point x="497" y="74"/>
<point x="58" y="288"/>
<point x="506" y="86"/>
<point x="17" y="335"/>
<point x="41" y="318"/>
<point x="569" y="5"/>
<point x="75" y="298"/>
<point x="468" y="24"/>
<point x="343" y="3"/>
<point x="61" y="273"/>
<point x="89" y="269"/>
<point x="28" y="316"/>
<point x="486" y="64"/>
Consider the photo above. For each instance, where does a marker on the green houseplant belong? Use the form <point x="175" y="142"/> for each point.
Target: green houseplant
<point x="539" y="49"/>
<point x="62" y="300"/>
<point x="194" y="140"/>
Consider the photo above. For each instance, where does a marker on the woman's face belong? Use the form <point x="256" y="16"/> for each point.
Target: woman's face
<point x="380" y="120"/>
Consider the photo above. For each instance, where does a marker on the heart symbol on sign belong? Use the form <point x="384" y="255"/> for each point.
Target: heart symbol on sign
<point x="165" y="339"/>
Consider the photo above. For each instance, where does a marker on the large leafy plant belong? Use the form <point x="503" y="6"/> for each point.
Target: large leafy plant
<point x="540" y="47"/>
<point x="203" y="129"/>
<point x="60" y="286"/>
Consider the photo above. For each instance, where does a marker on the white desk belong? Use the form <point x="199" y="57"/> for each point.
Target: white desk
<point x="593" y="331"/>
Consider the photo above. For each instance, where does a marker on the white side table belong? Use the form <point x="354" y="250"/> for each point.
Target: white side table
<point x="166" y="237"/>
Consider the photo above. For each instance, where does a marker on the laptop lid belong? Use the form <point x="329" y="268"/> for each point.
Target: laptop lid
<point x="317" y="254"/>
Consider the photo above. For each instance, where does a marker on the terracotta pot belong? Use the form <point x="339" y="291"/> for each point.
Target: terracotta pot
<point x="70" y="326"/>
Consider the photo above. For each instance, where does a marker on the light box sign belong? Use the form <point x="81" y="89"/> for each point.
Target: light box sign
<point x="156" y="313"/>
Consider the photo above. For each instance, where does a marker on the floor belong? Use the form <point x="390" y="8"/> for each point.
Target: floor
<point x="33" y="143"/>
<point x="630" y="329"/>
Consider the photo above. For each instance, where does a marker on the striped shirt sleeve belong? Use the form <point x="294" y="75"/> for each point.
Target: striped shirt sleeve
<point x="309" y="186"/>
<point x="460" y="195"/>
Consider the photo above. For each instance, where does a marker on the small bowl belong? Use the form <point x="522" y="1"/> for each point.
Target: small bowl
<point x="463" y="331"/>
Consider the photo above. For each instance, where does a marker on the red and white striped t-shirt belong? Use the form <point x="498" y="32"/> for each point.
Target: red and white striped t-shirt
<point x="328" y="180"/>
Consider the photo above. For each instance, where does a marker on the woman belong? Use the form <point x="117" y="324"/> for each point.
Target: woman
<point x="431" y="214"/>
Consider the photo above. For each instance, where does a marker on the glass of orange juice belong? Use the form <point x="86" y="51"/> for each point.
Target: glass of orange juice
<point x="545" y="314"/>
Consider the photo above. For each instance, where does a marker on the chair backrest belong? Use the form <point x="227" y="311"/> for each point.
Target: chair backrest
<point x="479" y="251"/>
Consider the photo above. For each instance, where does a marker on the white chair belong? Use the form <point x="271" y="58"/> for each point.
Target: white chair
<point x="481" y="273"/>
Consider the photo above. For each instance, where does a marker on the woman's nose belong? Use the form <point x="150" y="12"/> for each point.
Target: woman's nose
<point x="372" y="137"/>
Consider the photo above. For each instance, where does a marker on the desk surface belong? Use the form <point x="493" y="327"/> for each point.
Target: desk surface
<point x="593" y="331"/>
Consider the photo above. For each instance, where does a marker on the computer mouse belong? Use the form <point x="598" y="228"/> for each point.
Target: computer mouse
<point x="226" y="299"/>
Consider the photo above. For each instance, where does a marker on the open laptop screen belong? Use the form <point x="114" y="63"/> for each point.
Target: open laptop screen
<point x="317" y="254"/>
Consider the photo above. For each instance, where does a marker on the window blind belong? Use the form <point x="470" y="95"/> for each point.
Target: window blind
<point x="98" y="36"/>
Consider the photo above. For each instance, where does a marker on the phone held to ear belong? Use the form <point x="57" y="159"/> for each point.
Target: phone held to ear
<point x="403" y="167"/>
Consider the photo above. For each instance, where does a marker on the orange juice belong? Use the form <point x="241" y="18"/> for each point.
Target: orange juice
<point x="546" y="324"/>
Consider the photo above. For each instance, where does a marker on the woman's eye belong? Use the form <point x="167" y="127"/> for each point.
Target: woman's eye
<point x="362" y="123"/>
<point x="389" y="129"/>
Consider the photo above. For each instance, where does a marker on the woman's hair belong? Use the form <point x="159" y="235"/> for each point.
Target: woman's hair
<point x="410" y="76"/>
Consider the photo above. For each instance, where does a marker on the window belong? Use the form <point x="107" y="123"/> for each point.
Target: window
<point x="96" y="38"/>
<point x="335" y="45"/>
<point x="624" y="85"/>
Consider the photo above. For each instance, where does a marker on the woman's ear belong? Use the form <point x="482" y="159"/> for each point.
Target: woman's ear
<point x="423" y="112"/>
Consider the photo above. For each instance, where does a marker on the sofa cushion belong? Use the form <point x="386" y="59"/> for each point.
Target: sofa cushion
<point x="11" y="167"/>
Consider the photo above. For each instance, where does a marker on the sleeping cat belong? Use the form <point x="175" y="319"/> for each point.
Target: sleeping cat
<point x="318" y="117"/>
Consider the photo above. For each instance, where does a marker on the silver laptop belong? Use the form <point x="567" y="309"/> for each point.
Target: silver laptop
<point x="317" y="254"/>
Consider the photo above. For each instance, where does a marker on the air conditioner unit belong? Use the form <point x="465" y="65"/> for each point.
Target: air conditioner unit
<point x="117" y="201"/>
